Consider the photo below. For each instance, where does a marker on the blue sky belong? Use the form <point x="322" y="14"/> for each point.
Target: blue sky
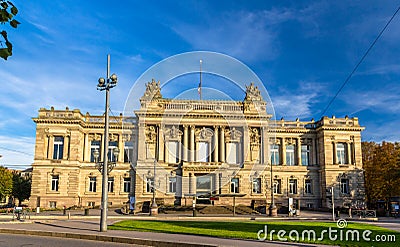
<point x="301" y="50"/>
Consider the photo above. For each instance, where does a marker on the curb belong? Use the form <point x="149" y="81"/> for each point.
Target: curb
<point x="103" y="238"/>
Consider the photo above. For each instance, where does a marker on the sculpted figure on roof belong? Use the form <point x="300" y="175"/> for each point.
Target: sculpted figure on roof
<point x="153" y="91"/>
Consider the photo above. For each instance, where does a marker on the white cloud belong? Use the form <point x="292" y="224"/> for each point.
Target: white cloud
<point x="297" y="103"/>
<point x="245" y="34"/>
<point x="381" y="100"/>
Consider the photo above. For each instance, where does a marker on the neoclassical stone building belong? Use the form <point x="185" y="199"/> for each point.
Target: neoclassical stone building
<point x="213" y="149"/>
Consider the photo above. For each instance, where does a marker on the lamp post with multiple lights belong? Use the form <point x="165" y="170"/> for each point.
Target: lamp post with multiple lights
<point x="106" y="85"/>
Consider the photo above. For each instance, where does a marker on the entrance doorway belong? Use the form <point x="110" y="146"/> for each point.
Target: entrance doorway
<point x="203" y="188"/>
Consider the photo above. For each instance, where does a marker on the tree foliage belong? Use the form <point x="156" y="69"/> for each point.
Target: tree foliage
<point x="21" y="188"/>
<point x="382" y="170"/>
<point x="7" y="14"/>
<point x="6" y="182"/>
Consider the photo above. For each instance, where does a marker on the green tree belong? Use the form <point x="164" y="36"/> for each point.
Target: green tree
<point x="6" y="182"/>
<point x="381" y="164"/>
<point x="7" y="14"/>
<point x="21" y="188"/>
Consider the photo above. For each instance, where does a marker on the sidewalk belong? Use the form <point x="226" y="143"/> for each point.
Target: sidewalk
<point x="88" y="229"/>
<point x="55" y="224"/>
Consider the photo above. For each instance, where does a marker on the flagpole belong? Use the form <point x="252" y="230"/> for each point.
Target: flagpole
<point x="201" y="61"/>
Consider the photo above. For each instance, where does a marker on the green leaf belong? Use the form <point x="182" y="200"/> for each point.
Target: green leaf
<point x="4" y="5"/>
<point x="14" y="23"/>
<point x="5" y="53"/>
<point x="14" y="10"/>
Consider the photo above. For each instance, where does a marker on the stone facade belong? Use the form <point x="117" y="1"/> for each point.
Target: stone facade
<point x="212" y="149"/>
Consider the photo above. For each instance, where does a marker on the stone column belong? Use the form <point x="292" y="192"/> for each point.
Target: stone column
<point x="313" y="152"/>
<point x="121" y="147"/>
<point x="348" y="144"/>
<point x="141" y="137"/>
<point x="66" y="147"/>
<point x="299" y="151"/>
<point x="192" y="148"/>
<point x="283" y="148"/>
<point x="135" y="146"/>
<point x="216" y="144"/>
<point x="46" y="149"/>
<point x="222" y="145"/>
<point x="161" y="144"/>
<point x="246" y="145"/>
<point x="264" y="146"/>
<point x="185" y="143"/>
<point x="86" y="149"/>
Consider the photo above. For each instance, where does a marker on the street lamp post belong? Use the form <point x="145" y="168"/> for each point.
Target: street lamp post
<point x="273" y="212"/>
<point x="154" y="207"/>
<point x="106" y="85"/>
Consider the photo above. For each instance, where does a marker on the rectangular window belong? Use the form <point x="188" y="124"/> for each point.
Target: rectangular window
<point x="257" y="185"/>
<point x="94" y="145"/>
<point x="308" y="186"/>
<point x="58" y="147"/>
<point x="111" y="147"/>
<point x="173" y="155"/>
<point x="91" y="204"/>
<point x="53" y="204"/>
<point x="344" y="186"/>
<point x="341" y="153"/>
<point x="292" y="186"/>
<point x="277" y="186"/>
<point x="54" y="182"/>
<point x="235" y="185"/>
<point x="290" y="155"/>
<point x="110" y="184"/>
<point x="92" y="184"/>
<point x="128" y="152"/>
<point x="305" y="154"/>
<point x="274" y="149"/>
<point x="127" y="185"/>
<point x="232" y="153"/>
<point x="172" y="184"/>
<point x="149" y="185"/>
<point x="203" y="154"/>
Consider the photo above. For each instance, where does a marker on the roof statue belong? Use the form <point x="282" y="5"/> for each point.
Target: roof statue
<point x="253" y="93"/>
<point x="153" y="91"/>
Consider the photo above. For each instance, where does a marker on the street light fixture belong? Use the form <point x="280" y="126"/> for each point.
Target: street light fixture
<point x="106" y="85"/>
<point x="110" y="164"/>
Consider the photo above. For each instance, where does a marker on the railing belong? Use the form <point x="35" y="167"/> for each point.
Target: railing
<point x="363" y="213"/>
<point x="204" y="106"/>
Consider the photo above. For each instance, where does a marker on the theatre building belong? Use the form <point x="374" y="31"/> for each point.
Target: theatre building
<point x="211" y="149"/>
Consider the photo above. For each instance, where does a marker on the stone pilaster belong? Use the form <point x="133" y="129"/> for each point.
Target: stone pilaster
<point x="348" y="145"/>
<point x="192" y="147"/>
<point x="185" y="143"/>
<point x="298" y="151"/>
<point x="283" y="147"/>
<point x="161" y="144"/>
<point x="216" y="153"/>
<point x="222" y="145"/>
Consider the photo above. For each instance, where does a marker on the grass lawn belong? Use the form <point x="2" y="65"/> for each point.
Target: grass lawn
<point x="249" y="230"/>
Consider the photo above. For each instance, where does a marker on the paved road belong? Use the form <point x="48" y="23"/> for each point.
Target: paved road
<point x="11" y="240"/>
